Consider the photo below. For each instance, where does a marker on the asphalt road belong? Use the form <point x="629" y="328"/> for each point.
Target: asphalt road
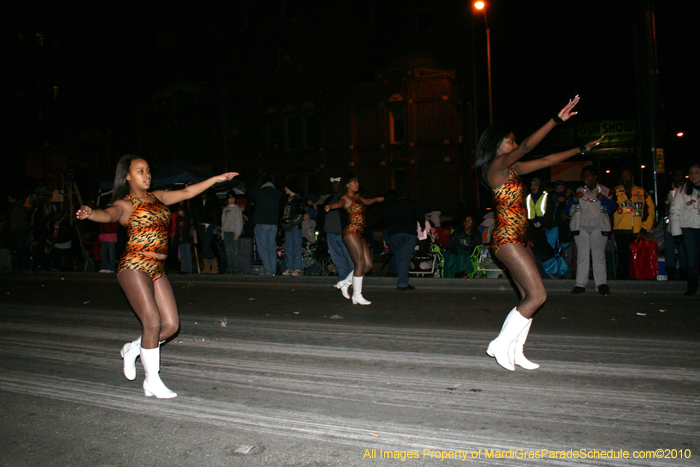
<point x="289" y="373"/>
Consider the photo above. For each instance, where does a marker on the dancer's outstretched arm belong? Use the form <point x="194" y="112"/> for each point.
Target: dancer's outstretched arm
<point x="367" y="202"/>
<point x="529" y="143"/>
<point x="173" y="197"/>
<point x="526" y="167"/>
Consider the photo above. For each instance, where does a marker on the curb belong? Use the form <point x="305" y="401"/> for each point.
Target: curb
<point x="421" y="283"/>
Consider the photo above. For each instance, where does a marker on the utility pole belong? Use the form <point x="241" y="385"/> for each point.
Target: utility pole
<point x="650" y="114"/>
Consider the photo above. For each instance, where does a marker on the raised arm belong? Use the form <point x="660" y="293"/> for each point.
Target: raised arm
<point x="173" y="197"/>
<point x="534" y="139"/>
<point x="526" y="167"/>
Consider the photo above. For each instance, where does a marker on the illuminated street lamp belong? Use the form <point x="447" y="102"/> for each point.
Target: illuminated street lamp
<point x="481" y="6"/>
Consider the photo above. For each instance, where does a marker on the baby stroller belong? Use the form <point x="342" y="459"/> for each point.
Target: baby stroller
<point x="427" y="259"/>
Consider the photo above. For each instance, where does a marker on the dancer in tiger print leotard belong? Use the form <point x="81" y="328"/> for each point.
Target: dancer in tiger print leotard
<point x="354" y="237"/>
<point x="141" y="271"/>
<point x="147" y="232"/>
<point x="356" y="219"/>
<point x="499" y="167"/>
<point x="511" y="213"/>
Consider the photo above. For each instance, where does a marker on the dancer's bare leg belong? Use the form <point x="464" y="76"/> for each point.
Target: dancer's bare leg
<point x="520" y="262"/>
<point x="169" y="319"/>
<point x="140" y="291"/>
<point x="356" y="247"/>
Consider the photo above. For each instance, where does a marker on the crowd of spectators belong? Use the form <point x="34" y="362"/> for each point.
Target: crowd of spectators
<point x="585" y="229"/>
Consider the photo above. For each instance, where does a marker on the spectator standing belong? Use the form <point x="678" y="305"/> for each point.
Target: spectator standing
<point x="401" y="215"/>
<point x="634" y="216"/>
<point x="267" y="199"/>
<point x="561" y="219"/>
<point x="244" y="251"/>
<point x="333" y="227"/>
<point x="231" y="228"/>
<point x="208" y="222"/>
<point x="184" y="237"/>
<point x="559" y="195"/>
<point x="108" y="237"/>
<point x="685" y="221"/>
<point x="670" y="244"/>
<point x="590" y="210"/>
<point x="292" y="217"/>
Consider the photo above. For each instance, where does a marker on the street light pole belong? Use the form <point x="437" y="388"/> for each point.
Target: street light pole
<point x="481" y="6"/>
<point x="488" y="58"/>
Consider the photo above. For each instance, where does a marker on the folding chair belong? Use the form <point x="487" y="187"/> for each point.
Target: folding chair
<point x="555" y="267"/>
<point x="486" y="266"/>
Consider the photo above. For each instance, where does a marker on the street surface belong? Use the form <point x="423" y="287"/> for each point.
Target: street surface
<point x="288" y="373"/>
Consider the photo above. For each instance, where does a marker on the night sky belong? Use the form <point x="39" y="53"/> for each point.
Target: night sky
<point x="112" y="56"/>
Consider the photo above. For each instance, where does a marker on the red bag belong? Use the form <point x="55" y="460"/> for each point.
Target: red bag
<point x="644" y="260"/>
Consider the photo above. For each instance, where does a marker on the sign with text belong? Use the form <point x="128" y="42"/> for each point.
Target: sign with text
<point x="617" y="128"/>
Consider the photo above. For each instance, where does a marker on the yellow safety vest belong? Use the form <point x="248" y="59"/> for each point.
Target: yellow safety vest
<point x="536" y="209"/>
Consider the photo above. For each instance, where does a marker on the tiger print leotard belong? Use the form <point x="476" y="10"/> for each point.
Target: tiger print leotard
<point x="511" y="213"/>
<point x="356" y="219"/>
<point x="147" y="232"/>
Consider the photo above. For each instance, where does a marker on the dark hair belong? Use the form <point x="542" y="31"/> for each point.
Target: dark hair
<point x="292" y="186"/>
<point x="490" y="140"/>
<point x="347" y="178"/>
<point x="688" y="184"/>
<point x="591" y="169"/>
<point x="121" y="188"/>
